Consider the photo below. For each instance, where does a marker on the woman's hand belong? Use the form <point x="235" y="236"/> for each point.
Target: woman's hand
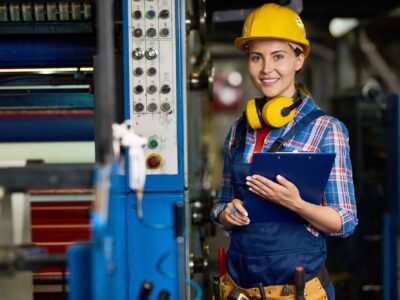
<point x="282" y="192"/>
<point x="234" y="215"/>
<point x="285" y="193"/>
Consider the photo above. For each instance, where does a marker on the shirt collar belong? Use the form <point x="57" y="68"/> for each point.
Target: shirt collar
<point x="305" y="107"/>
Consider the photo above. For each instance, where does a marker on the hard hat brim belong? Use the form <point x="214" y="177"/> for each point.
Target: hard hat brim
<point x="240" y="43"/>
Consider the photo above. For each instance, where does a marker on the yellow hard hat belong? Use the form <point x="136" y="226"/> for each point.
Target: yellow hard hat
<point x="274" y="21"/>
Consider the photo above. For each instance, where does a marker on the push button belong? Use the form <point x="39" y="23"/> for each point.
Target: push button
<point x="153" y="142"/>
<point x="154" y="161"/>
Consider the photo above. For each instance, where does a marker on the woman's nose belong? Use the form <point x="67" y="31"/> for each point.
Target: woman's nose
<point x="266" y="67"/>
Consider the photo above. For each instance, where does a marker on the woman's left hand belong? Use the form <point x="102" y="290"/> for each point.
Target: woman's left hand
<point x="282" y="192"/>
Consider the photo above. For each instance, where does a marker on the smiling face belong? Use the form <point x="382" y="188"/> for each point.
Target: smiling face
<point x="272" y="65"/>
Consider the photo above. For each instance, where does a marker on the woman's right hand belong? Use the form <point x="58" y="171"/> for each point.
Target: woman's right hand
<point x="234" y="215"/>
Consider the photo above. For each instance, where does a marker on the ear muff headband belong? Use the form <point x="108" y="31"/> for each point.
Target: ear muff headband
<point x="276" y="112"/>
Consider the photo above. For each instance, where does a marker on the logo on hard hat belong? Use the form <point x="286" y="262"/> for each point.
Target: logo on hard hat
<point x="299" y="22"/>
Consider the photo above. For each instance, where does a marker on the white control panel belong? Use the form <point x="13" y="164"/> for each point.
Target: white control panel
<point x="152" y="83"/>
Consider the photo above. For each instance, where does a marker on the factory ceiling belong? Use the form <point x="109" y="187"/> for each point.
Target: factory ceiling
<point x="225" y="18"/>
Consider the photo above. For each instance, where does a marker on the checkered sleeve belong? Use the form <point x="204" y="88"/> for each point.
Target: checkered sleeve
<point x="225" y="193"/>
<point x="339" y="193"/>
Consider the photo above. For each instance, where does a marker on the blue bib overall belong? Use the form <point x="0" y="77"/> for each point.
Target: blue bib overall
<point x="268" y="252"/>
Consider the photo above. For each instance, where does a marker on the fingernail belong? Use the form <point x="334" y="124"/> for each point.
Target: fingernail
<point x="248" y="178"/>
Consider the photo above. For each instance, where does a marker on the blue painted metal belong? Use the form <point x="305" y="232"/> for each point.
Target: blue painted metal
<point x="151" y="242"/>
<point x="54" y="51"/>
<point x="46" y="100"/>
<point x="80" y="270"/>
<point x="152" y="247"/>
<point x="45" y="129"/>
<point x="392" y="215"/>
<point x="390" y="257"/>
<point x="109" y="267"/>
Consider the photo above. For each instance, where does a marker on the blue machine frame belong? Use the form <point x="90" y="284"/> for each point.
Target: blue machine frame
<point x="152" y="249"/>
<point x="128" y="250"/>
<point x="391" y="228"/>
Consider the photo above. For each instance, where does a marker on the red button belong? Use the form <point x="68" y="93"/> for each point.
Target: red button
<point x="154" y="161"/>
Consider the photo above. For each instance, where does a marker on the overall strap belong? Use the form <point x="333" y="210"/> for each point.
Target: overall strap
<point x="240" y="135"/>
<point x="306" y="120"/>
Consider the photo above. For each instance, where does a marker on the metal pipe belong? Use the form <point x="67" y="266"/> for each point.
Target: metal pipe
<point x="104" y="81"/>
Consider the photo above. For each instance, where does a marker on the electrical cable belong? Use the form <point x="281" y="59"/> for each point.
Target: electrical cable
<point x="193" y="284"/>
<point x="140" y="216"/>
<point x="196" y="287"/>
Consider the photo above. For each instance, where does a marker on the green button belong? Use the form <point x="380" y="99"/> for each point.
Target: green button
<point x="153" y="144"/>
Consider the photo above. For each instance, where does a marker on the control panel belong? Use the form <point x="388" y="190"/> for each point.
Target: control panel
<point x="154" y="97"/>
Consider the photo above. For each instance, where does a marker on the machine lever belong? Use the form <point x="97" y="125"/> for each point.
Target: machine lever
<point x="145" y="290"/>
<point x="163" y="295"/>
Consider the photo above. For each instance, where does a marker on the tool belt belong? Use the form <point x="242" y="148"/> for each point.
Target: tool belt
<point x="314" y="289"/>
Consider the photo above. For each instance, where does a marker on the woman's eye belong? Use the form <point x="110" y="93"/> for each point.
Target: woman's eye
<point x="255" y="58"/>
<point x="278" y="56"/>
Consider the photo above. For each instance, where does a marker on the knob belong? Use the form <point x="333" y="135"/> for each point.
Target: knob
<point x="138" y="32"/>
<point x="152" y="107"/>
<point x="138" y="71"/>
<point x="164" y="14"/>
<point x="151" y="89"/>
<point x="154" y="161"/>
<point x="151" y="32"/>
<point x="164" y="32"/>
<point x="138" y="89"/>
<point x="138" y="53"/>
<point x="150" y="14"/>
<point x="151" y="53"/>
<point x="137" y="14"/>
<point x="165" y="89"/>
<point x="139" y="107"/>
<point x="165" y="107"/>
<point x="152" y="71"/>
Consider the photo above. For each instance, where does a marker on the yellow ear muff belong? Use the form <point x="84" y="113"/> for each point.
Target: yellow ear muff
<point x="275" y="112"/>
<point x="253" y="114"/>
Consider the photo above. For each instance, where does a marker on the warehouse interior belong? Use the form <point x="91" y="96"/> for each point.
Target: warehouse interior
<point x="102" y="197"/>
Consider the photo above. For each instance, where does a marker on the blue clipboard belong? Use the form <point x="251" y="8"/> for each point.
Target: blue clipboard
<point x="308" y="171"/>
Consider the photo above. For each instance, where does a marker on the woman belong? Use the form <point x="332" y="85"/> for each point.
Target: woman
<point x="267" y="253"/>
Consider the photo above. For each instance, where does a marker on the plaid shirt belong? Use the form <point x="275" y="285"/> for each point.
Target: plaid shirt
<point x="327" y="134"/>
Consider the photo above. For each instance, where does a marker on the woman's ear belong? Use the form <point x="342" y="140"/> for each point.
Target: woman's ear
<point x="299" y="61"/>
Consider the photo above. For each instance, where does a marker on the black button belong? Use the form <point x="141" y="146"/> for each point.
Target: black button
<point x="152" y="71"/>
<point x="137" y="14"/>
<point x="139" y="107"/>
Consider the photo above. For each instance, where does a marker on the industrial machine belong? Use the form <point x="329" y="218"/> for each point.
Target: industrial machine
<point x="104" y="176"/>
<point x="131" y="193"/>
